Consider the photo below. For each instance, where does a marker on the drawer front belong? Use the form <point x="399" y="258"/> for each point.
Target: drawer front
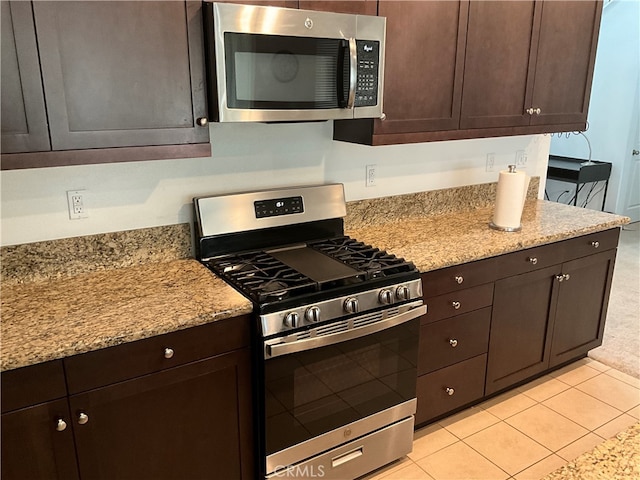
<point x="591" y="244"/>
<point x="457" y="303"/>
<point x="459" y="277"/>
<point x="129" y="360"/>
<point x="531" y="259"/>
<point x="449" y="388"/>
<point x="453" y="340"/>
<point x="28" y="386"/>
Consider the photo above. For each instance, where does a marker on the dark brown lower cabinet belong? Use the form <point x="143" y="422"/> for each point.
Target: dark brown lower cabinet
<point x="537" y="309"/>
<point x="520" y="341"/>
<point x="191" y="421"/>
<point x="582" y="306"/>
<point x="36" y="446"/>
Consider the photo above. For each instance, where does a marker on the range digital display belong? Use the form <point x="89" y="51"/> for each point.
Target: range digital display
<point x="277" y="207"/>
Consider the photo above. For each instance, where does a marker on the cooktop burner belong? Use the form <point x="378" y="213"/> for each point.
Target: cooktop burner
<point x="274" y="275"/>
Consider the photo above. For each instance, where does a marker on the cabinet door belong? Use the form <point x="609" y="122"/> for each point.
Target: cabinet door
<point x="33" y="448"/>
<point x="122" y="73"/>
<point x="24" y="118"/>
<point x="565" y="61"/>
<point x="192" y="421"/>
<point x="423" y="65"/>
<point x="582" y="306"/>
<point x="497" y="69"/>
<point x="520" y="339"/>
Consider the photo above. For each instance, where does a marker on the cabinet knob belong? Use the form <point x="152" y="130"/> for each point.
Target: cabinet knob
<point x="383" y="116"/>
<point x="61" y="425"/>
<point x="202" y="121"/>
<point x="532" y="260"/>
<point x="560" y="278"/>
<point x="459" y="279"/>
<point x="456" y="305"/>
<point x="449" y="391"/>
<point x="168" y="352"/>
<point x="566" y="276"/>
<point x="83" y="418"/>
<point x="537" y="111"/>
<point x="595" y="244"/>
<point x="453" y="342"/>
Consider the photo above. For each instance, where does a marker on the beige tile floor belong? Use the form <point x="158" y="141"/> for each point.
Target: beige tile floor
<point x="525" y="433"/>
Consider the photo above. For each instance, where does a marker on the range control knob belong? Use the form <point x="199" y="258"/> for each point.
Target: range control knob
<point x="312" y="314"/>
<point x="351" y="305"/>
<point x="403" y="293"/>
<point x="291" y="320"/>
<point x="385" y="296"/>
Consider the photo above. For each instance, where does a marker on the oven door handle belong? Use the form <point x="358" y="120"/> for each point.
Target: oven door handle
<point x="279" y="349"/>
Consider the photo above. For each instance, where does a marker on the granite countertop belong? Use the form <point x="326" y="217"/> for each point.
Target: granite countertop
<point x="50" y="312"/>
<point x="47" y="320"/>
<point x="438" y="241"/>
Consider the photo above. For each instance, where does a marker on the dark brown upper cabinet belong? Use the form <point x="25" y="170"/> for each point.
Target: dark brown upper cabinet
<point x="114" y="74"/>
<point x="24" y="118"/>
<point x="529" y="63"/>
<point x="361" y="7"/>
<point x="424" y="62"/>
<point x="505" y="68"/>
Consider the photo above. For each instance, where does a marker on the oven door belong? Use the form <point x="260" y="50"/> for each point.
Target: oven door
<point x="338" y="382"/>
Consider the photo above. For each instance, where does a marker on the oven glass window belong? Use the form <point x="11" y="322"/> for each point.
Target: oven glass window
<point x="315" y="391"/>
<point x="275" y="72"/>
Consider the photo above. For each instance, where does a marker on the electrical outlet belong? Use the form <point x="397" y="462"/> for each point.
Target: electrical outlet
<point x="371" y="176"/>
<point x="75" y="201"/>
<point x="521" y="159"/>
<point x="491" y="162"/>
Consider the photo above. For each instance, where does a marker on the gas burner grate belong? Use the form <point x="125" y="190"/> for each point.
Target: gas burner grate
<point x="375" y="262"/>
<point x="262" y="277"/>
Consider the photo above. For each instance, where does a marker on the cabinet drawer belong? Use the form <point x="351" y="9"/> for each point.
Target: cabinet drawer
<point x="465" y="381"/>
<point x="459" y="277"/>
<point x="590" y="244"/>
<point x="31" y="385"/>
<point x="452" y="340"/>
<point x="129" y="360"/>
<point x="531" y="259"/>
<point x="457" y="303"/>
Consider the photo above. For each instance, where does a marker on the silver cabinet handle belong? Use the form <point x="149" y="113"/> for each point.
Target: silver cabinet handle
<point x="83" y="418"/>
<point x="459" y="279"/>
<point x="453" y="342"/>
<point x="595" y="244"/>
<point x="61" y="425"/>
<point x="532" y="260"/>
<point x="168" y="352"/>
<point x="537" y="111"/>
<point x="449" y="391"/>
<point x="560" y="278"/>
<point x="456" y="305"/>
<point x="566" y="276"/>
<point x="530" y="111"/>
<point x="202" y="121"/>
<point x="383" y="117"/>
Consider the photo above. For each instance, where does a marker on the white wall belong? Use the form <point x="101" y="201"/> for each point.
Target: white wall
<point x="124" y="196"/>
<point x="612" y="114"/>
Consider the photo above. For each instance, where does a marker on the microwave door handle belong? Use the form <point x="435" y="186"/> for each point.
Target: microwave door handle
<point x="353" y="72"/>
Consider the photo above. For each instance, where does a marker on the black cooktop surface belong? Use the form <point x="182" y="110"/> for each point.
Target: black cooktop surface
<point x="333" y="265"/>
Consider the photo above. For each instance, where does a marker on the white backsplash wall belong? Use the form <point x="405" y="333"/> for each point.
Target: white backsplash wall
<point x="126" y="196"/>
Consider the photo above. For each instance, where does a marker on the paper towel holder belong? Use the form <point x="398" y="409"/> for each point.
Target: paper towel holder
<point x="512" y="169"/>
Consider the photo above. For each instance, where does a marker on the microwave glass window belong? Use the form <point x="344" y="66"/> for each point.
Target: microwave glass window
<point x="275" y="72"/>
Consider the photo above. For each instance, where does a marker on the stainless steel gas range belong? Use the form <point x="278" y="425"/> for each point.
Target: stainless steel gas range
<point x="336" y="330"/>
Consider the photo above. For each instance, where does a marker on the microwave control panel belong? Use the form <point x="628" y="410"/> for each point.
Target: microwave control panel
<point x="368" y="63"/>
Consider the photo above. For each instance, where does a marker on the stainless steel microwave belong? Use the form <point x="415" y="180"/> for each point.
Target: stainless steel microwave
<point x="270" y="64"/>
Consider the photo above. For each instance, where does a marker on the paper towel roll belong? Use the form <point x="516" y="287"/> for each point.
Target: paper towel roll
<point x="510" y="197"/>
